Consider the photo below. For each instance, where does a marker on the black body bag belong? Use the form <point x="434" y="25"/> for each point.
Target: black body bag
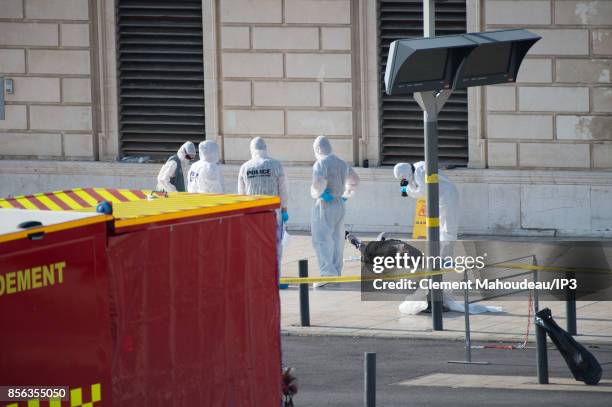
<point x="381" y="248"/>
<point x="581" y="362"/>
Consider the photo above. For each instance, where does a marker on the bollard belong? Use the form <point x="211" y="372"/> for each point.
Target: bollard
<point x="436" y="306"/>
<point x="466" y="316"/>
<point x="304" y="301"/>
<point x="570" y="311"/>
<point x="541" y="354"/>
<point x="541" y="351"/>
<point x="570" y="308"/>
<point x="369" y="379"/>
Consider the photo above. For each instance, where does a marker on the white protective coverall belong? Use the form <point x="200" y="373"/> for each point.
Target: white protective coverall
<point x="185" y="154"/>
<point x="263" y="175"/>
<point x="449" y="197"/>
<point x="449" y="223"/>
<point x="205" y="175"/>
<point x="331" y="174"/>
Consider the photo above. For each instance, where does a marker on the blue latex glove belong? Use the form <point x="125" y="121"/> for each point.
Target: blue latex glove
<point x="326" y="195"/>
<point x="284" y="216"/>
<point x="403" y="190"/>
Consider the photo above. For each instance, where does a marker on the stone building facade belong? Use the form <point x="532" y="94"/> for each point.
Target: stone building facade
<point x="540" y="150"/>
<point x="45" y="48"/>
<point x="286" y="73"/>
<point x="558" y="114"/>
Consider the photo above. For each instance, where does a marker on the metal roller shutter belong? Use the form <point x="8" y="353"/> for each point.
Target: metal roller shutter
<point x="401" y="119"/>
<point x="161" y="75"/>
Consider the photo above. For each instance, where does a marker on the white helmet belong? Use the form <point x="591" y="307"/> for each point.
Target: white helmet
<point x="322" y="147"/>
<point x="258" y="147"/>
<point x="209" y="151"/>
<point x="403" y="170"/>
<point x="187" y="151"/>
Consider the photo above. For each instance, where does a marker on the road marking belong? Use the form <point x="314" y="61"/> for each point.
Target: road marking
<point x="504" y="382"/>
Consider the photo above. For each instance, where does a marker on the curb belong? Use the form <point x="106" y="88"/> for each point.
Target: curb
<point x="455" y="336"/>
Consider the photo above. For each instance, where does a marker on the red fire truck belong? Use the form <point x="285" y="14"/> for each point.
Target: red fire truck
<point x="170" y="301"/>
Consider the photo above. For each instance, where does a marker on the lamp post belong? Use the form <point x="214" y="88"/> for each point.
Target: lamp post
<point x="431" y="68"/>
<point x="432" y="105"/>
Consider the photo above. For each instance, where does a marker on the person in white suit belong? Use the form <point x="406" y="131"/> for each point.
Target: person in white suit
<point x="205" y="175"/>
<point x="333" y="182"/>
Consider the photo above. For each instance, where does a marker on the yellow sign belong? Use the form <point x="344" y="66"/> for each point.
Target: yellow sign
<point x="419" y="226"/>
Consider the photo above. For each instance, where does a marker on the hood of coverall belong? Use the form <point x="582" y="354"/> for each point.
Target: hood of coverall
<point x="209" y="151"/>
<point x="322" y="147"/>
<point x="258" y="147"/>
<point x="402" y="170"/>
<point x="186" y="149"/>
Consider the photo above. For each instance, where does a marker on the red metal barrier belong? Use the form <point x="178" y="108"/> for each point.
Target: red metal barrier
<point x="54" y="312"/>
<point x="197" y="313"/>
<point x="168" y="310"/>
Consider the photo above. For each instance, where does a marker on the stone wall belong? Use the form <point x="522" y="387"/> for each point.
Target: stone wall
<point x="45" y="49"/>
<point x="285" y="74"/>
<point x="492" y="202"/>
<point x="290" y="70"/>
<point x="558" y="113"/>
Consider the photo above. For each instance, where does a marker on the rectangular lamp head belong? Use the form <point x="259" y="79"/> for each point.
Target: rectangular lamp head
<point x="423" y="64"/>
<point x="497" y="58"/>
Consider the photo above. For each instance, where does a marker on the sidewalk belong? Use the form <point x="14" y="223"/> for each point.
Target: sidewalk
<point x="340" y="311"/>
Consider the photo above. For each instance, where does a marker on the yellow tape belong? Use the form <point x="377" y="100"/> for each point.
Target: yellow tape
<point x="420" y="274"/>
<point x="359" y="278"/>
<point x="431" y="179"/>
<point x="432" y="222"/>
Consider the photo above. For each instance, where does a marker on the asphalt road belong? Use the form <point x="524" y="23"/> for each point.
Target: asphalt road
<point x="330" y="373"/>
